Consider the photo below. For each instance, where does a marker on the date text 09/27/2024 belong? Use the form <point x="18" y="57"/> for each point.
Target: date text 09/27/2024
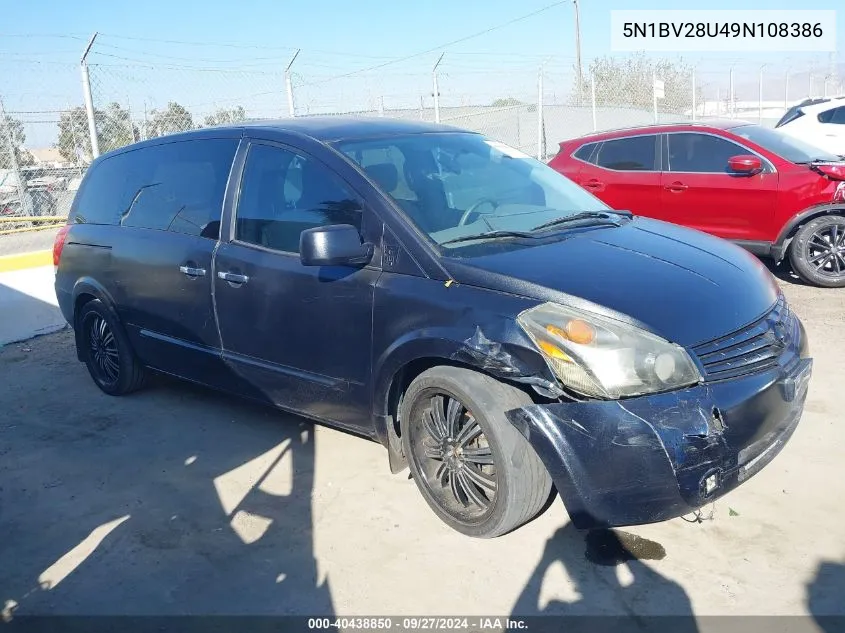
<point x="418" y="623"/>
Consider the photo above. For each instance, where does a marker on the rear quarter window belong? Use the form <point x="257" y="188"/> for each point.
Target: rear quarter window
<point x="102" y="193"/>
<point x="585" y="152"/>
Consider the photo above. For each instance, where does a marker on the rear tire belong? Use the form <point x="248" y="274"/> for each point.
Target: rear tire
<point x="103" y="345"/>
<point x="473" y="468"/>
<point x="817" y="253"/>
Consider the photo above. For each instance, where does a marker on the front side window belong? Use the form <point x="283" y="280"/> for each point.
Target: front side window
<point x="700" y="153"/>
<point x="456" y="185"/>
<point x="284" y="193"/>
<point x="635" y="153"/>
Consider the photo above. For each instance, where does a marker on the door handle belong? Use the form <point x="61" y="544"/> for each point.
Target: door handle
<point x="676" y="187"/>
<point x="233" y="278"/>
<point x="192" y="272"/>
<point x="593" y="184"/>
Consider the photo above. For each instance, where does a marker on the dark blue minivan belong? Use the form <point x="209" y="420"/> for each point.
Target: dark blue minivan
<point x="498" y="329"/>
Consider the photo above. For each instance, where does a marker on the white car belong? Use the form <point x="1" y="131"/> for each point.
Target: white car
<point x="819" y="121"/>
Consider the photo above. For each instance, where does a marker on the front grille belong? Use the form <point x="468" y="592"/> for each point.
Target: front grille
<point x="755" y="347"/>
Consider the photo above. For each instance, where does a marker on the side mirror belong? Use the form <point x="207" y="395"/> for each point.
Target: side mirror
<point x="333" y="245"/>
<point x="745" y="164"/>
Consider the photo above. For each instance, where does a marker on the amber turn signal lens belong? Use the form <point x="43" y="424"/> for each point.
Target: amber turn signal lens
<point x="576" y="330"/>
<point x="580" y="332"/>
<point x="554" y="352"/>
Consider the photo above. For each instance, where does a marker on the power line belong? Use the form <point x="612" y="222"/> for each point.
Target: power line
<point x="233" y="45"/>
<point x="452" y="43"/>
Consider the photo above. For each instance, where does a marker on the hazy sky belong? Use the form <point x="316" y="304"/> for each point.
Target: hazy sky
<point x="212" y="54"/>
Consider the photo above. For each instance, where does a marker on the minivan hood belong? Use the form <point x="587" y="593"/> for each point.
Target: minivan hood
<point x="686" y="286"/>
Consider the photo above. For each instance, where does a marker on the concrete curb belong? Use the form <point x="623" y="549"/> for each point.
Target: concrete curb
<point x="22" y="261"/>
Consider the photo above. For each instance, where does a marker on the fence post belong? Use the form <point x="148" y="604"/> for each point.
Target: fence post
<point x="693" y="94"/>
<point x="540" y="148"/>
<point x="89" y="101"/>
<point x="593" y="100"/>
<point x="436" y="89"/>
<point x="654" y="92"/>
<point x="131" y="125"/>
<point x="7" y="136"/>
<point x="732" y="101"/>
<point x="786" y="89"/>
<point x="289" y="86"/>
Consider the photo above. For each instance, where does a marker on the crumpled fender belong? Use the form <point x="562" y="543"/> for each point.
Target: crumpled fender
<point x="619" y="462"/>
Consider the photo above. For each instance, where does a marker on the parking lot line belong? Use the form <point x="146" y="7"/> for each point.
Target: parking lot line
<point x="20" y="261"/>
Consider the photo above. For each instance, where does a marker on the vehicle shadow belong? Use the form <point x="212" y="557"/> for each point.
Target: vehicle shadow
<point x="826" y="597"/>
<point x="610" y="586"/>
<point x="783" y="271"/>
<point x="175" y="500"/>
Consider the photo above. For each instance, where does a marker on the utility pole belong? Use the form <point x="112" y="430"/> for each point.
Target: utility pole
<point x="89" y="101"/>
<point x="289" y="85"/>
<point x="436" y="89"/>
<point x="579" y="71"/>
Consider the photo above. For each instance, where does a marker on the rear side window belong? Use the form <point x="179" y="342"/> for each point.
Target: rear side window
<point x="174" y="187"/>
<point x="585" y="152"/>
<point x="179" y="187"/>
<point x="634" y="153"/>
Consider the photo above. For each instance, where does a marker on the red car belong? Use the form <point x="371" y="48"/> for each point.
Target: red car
<point x="773" y="194"/>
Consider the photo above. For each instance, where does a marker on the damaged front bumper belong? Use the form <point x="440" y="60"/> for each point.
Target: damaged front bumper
<point x="652" y="458"/>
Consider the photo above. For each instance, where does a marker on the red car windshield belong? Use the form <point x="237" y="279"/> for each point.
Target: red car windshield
<point x="790" y="148"/>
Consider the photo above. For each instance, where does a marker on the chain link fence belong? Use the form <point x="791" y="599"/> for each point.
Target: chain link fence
<point x="531" y="106"/>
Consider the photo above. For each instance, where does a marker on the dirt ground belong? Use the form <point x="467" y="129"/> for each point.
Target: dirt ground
<point x="179" y="500"/>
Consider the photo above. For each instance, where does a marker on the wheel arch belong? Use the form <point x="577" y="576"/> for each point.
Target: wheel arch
<point x="784" y="239"/>
<point x="417" y="352"/>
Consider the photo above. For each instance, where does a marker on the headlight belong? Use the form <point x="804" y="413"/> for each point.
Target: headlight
<point x="599" y="357"/>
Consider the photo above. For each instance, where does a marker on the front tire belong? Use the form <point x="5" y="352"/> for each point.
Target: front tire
<point x="104" y="347"/>
<point x="473" y="468"/>
<point x="817" y="253"/>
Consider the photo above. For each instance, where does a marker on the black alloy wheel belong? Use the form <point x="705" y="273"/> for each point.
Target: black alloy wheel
<point x="454" y="457"/>
<point x="103" y="346"/>
<point x="471" y="465"/>
<point x="817" y="253"/>
<point x="102" y="350"/>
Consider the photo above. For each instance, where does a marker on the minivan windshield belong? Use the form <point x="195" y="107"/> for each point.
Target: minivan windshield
<point x="792" y="149"/>
<point x="455" y="186"/>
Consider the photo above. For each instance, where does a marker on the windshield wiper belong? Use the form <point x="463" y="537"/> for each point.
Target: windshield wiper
<point x="583" y="215"/>
<point x="489" y="235"/>
<point x="816" y="161"/>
